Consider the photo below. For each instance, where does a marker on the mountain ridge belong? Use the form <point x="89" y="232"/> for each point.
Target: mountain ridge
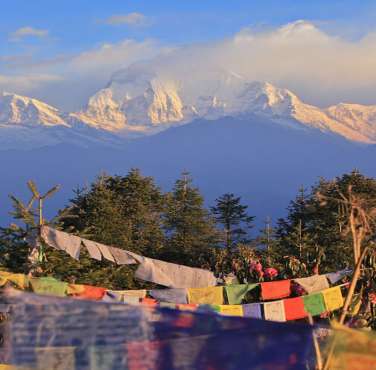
<point x="139" y="101"/>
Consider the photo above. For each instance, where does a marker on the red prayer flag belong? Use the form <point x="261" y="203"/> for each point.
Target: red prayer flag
<point x="275" y="289"/>
<point x="294" y="308"/>
<point x="90" y="292"/>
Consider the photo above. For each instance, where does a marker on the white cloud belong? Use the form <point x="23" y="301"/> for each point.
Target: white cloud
<point x="76" y="77"/>
<point x="27" y="31"/>
<point x="323" y="69"/>
<point x="131" y="19"/>
<point x="26" y="82"/>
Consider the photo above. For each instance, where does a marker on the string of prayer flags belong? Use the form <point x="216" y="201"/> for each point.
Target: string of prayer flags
<point x="49" y="286"/>
<point x="333" y="298"/>
<point x="62" y="241"/>
<point x="275" y="289"/>
<point x="236" y="293"/>
<point x="252" y="310"/>
<point x="209" y="295"/>
<point x="274" y="311"/>
<point x="314" y="304"/>
<point x="313" y="284"/>
<point x="294" y="308"/>
<point x="173" y="295"/>
<point x="231" y="310"/>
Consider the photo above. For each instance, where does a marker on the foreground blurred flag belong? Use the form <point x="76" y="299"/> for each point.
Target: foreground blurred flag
<point x="353" y="349"/>
<point x="45" y="331"/>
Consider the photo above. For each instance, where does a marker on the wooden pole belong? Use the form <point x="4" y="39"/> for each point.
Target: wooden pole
<point x="316" y="344"/>
<point x="346" y="305"/>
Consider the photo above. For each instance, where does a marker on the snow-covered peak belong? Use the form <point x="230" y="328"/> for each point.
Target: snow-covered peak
<point x="21" y="110"/>
<point x="102" y="112"/>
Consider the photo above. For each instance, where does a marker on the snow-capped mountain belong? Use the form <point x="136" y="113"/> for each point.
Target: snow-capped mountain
<point x="138" y="100"/>
<point x="142" y="101"/>
<point x="21" y="110"/>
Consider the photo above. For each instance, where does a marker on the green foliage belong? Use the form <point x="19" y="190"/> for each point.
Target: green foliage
<point x="190" y="230"/>
<point x="317" y="232"/>
<point x="232" y="215"/>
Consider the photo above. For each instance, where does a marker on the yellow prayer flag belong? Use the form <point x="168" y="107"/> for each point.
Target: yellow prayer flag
<point x="333" y="298"/>
<point x="20" y="280"/>
<point x="231" y="310"/>
<point x="209" y="295"/>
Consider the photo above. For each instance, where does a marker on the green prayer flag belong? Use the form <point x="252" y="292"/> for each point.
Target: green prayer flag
<point x="49" y="286"/>
<point x="314" y="304"/>
<point x="236" y="293"/>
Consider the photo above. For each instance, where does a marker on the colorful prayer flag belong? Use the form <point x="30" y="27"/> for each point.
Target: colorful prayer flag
<point x="236" y="293"/>
<point x="49" y="286"/>
<point x="231" y="310"/>
<point x="333" y="298"/>
<point x="209" y="295"/>
<point x="252" y="310"/>
<point x="314" y="304"/>
<point x="313" y="284"/>
<point x="275" y="289"/>
<point x="274" y="311"/>
<point x="294" y="308"/>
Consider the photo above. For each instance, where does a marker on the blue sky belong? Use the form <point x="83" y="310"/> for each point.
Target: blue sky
<point x="77" y="25"/>
<point x="39" y="38"/>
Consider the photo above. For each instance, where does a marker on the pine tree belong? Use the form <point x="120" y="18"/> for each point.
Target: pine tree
<point x="232" y="215"/>
<point x="190" y="230"/>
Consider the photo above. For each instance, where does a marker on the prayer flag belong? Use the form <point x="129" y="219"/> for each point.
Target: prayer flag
<point x="294" y="308"/>
<point x="173" y="295"/>
<point x="89" y="292"/>
<point x="139" y="293"/>
<point x="275" y="289"/>
<point x="333" y="298"/>
<point x="49" y="286"/>
<point x="62" y="241"/>
<point x="336" y="276"/>
<point x="231" y="310"/>
<point x="236" y="293"/>
<point x="274" y="311"/>
<point x="314" y="304"/>
<point x="313" y="284"/>
<point x="19" y="280"/>
<point x="252" y="310"/>
<point x="209" y="295"/>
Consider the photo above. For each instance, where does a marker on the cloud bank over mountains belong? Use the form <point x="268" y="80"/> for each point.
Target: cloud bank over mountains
<point x="322" y="68"/>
